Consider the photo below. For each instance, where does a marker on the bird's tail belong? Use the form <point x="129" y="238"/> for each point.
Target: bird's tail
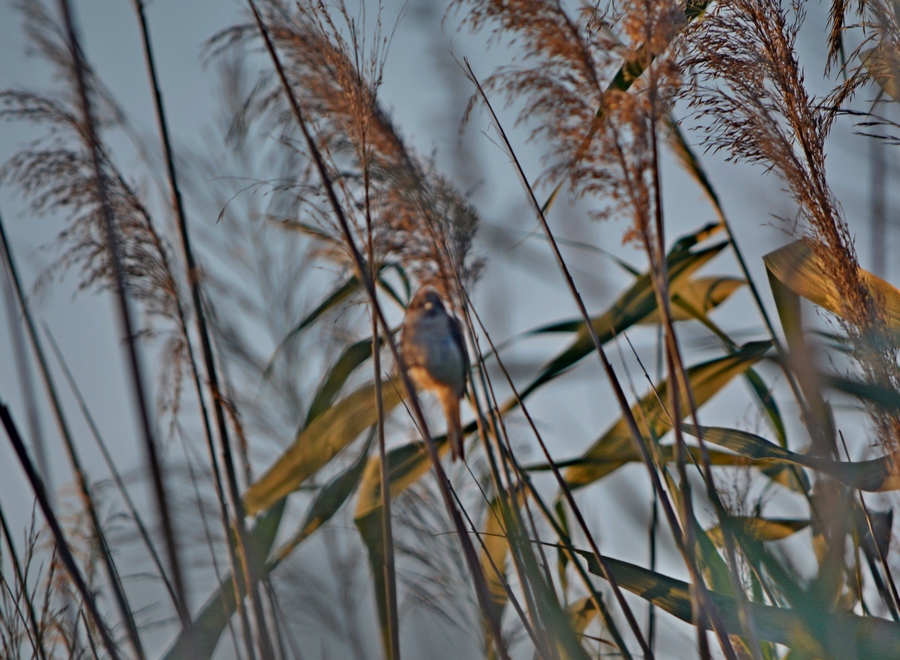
<point x="454" y="427"/>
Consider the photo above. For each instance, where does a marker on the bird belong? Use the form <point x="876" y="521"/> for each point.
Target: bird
<point x="434" y="352"/>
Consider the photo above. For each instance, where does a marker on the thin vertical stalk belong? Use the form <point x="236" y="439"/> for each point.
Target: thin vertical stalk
<point x="653" y="532"/>
<point x="87" y="634"/>
<point x="677" y="372"/>
<point x="510" y="520"/>
<point x="894" y="603"/>
<point x="81" y="477"/>
<point x="26" y="382"/>
<point x="656" y="255"/>
<point x="390" y="576"/>
<point x="124" y="310"/>
<point x="278" y="618"/>
<point x="654" y="527"/>
<point x="38" y="638"/>
<point x="244" y="547"/>
<point x="524" y="478"/>
<point x="362" y="272"/>
<point x="678" y="533"/>
<point x="62" y="546"/>
<point x="509" y="512"/>
<point x="601" y="560"/>
<point x="539" y="643"/>
<point x="213" y="553"/>
<point x="110" y="464"/>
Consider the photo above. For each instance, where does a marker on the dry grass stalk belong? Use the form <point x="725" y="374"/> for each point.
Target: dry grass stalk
<point x="749" y="89"/>
<point x="419" y="219"/>
<point x="603" y="134"/>
<point x="599" y="136"/>
<point x="56" y="174"/>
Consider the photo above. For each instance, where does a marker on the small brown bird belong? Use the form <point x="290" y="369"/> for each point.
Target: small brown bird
<point x="435" y="355"/>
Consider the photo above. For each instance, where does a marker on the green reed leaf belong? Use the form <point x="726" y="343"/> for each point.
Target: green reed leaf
<point x="653" y="421"/>
<point x="803" y="628"/>
<point x="352" y="357"/>
<point x="318" y="443"/>
<point x="638" y="302"/>
<point x="200" y="639"/>
<point x="874" y="475"/>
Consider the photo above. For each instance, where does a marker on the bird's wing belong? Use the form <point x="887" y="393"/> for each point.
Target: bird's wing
<point x="459" y="338"/>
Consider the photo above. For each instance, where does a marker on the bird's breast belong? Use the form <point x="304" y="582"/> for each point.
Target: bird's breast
<point x="434" y="358"/>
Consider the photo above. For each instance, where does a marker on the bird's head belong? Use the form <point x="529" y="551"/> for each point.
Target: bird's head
<point x="427" y="302"/>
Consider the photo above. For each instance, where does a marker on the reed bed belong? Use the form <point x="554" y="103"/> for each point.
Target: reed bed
<point x="289" y="493"/>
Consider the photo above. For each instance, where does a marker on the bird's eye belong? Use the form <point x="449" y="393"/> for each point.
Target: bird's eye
<point x="429" y="306"/>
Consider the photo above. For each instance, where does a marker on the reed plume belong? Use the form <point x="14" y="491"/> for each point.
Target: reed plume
<point x="750" y="96"/>
<point x="417" y="216"/>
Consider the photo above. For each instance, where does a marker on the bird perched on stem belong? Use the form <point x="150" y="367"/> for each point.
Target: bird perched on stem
<point x="434" y="352"/>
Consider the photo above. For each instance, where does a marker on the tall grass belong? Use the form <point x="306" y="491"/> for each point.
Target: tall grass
<point x="283" y="410"/>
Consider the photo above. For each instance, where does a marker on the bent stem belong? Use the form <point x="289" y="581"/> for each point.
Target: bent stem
<point x="364" y="276"/>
